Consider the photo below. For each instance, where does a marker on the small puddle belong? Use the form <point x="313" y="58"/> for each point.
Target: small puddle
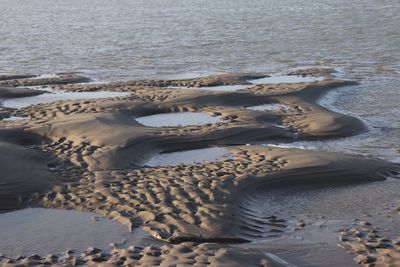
<point x="15" y="118"/>
<point x="290" y="145"/>
<point x="43" y="231"/>
<point x="190" y="157"/>
<point x="56" y="96"/>
<point x="226" y="88"/>
<point x="285" y="79"/>
<point x="45" y="76"/>
<point x="269" y="107"/>
<point x="178" y="119"/>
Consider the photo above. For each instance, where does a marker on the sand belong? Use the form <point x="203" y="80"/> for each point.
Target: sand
<point x="185" y="254"/>
<point x="88" y="155"/>
<point x="36" y="80"/>
<point x="23" y="173"/>
<point x="13" y="92"/>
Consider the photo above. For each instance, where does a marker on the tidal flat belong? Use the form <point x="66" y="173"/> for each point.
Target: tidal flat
<point x="211" y="191"/>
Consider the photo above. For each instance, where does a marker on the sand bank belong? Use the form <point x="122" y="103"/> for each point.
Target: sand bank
<point x="13" y="92"/>
<point x="96" y="149"/>
<point x="23" y="173"/>
<point x="37" y="80"/>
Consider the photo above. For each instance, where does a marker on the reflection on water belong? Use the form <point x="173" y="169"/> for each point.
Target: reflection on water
<point x="177" y="119"/>
<point x="45" y="76"/>
<point x="285" y="79"/>
<point x="189" y="157"/>
<point x="44" y="231"/>
<point x="15" y="118"/>
<point x="269" y="107"/>
<point x="140" y="39"/>
<point x="56" y="96"/>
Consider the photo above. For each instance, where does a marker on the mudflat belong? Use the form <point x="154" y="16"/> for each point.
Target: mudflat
<point x="91" y="155"/>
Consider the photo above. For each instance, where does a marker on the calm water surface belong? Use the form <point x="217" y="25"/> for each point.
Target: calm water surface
<point x="120" y="40"/>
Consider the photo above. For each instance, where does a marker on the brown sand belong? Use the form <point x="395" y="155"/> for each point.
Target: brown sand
<point x="185" y="254"/>
<point x="27" y="80"/>
<point x="23" y="173"/>
<point x="369" y="247"/>
<point x="99" y="149"/>
<point x="13" y="92"/>
<point x="4" y="77"/>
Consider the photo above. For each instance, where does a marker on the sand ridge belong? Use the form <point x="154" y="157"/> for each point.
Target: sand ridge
<point x="185" y="254"/>
<point x="15" y="92"/>
<point x="35" y="80"/>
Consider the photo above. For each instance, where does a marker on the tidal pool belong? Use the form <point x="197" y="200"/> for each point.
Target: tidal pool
<point x="43" y="231"/>
<point x="269" y="107"/>
<point x="15" y="118"/>
<point x="178" y="119"/>
<point x="285" y="79"/>
<point x="190" y="157"/>
<point x="56" y="96"/>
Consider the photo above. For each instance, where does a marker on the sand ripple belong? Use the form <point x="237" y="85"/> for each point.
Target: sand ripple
<point x="91" y="153"/>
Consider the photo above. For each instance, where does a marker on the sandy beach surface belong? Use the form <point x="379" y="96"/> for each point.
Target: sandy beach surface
<point x="98" y="156"/>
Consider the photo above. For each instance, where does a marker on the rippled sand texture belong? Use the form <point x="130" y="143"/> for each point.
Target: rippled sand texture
<point x="87" y="155"/>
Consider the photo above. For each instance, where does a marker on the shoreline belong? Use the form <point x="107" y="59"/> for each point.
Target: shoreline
<point x="97" y="148"/>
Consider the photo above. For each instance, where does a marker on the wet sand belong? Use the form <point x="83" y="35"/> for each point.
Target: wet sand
<point x="12" y="92"/>
<point x="89" y="155"/>
<point x="34" y="231"/>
